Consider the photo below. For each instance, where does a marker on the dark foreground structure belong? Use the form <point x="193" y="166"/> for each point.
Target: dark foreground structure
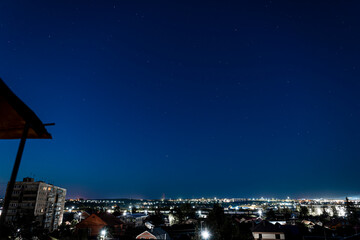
<point x="17" y="121"/>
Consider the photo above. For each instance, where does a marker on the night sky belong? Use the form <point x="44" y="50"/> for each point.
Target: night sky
<point x="187" y="98"/>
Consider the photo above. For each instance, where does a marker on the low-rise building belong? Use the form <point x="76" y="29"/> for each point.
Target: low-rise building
<point x="95" y="223"/>
<point x="135" y="219"/>
<point x="267" y="231"/>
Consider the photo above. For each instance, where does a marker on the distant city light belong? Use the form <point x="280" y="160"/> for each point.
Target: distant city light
<point x="342" y="212"/>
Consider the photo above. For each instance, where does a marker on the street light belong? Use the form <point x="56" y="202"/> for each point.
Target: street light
<point x="103" y="234"/>
<point x="205" y="234"/>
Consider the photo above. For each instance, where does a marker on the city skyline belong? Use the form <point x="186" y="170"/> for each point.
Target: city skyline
<point x="255" y="98"/>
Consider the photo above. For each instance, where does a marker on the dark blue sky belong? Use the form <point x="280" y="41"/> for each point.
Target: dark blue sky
<point x="189" y="99"/>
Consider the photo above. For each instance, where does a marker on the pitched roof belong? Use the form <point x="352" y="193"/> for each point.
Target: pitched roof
<point x="91" y="221"/>
<point x="265" y="226"/>
<point x="110" y="219"/>
<point x="14" y="114"/>
<point x="145" y="235"/>
<point x="158" y="233"/>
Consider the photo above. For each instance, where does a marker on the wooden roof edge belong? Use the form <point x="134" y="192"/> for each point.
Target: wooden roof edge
<point x="23" y="110"/>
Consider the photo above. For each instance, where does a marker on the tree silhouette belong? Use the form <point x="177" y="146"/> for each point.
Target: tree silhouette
<point x="304" y="212"/>
<point x="335" y="211"/>
<point x="270" y="214"/>
<point x="351" y="212"/>
<point x="184" y="212"/>
<point x="223" y="227"/>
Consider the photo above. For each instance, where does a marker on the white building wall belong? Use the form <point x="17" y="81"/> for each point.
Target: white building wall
<point x="268" y="236"/>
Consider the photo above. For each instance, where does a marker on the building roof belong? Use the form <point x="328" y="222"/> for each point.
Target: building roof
<point x="14" y="114"/>
<point x="265" y="226"/>
<point x="158" y="233"/>
<point x="146" y="235"/>
<point x="91" y="221"/>
<point x="137" y="215"/>
<point x="109" y="219"/>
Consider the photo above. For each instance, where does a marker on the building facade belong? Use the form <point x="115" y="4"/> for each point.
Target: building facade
<point x="267" y="231"/>
<point x="37" y="201"/>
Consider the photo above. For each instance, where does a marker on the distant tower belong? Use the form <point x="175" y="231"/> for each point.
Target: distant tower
<point x="163" y="197"/>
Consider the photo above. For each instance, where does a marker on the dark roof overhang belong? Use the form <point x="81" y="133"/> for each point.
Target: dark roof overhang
<point x="14" y="114"/>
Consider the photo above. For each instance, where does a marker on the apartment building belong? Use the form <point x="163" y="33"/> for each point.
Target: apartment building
<point x="38" y="201"/>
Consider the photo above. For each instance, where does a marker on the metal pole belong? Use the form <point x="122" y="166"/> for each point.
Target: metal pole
<point x="14" y="173"/>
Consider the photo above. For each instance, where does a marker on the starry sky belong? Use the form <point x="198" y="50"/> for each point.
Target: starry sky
<point x="187" y="98"/>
